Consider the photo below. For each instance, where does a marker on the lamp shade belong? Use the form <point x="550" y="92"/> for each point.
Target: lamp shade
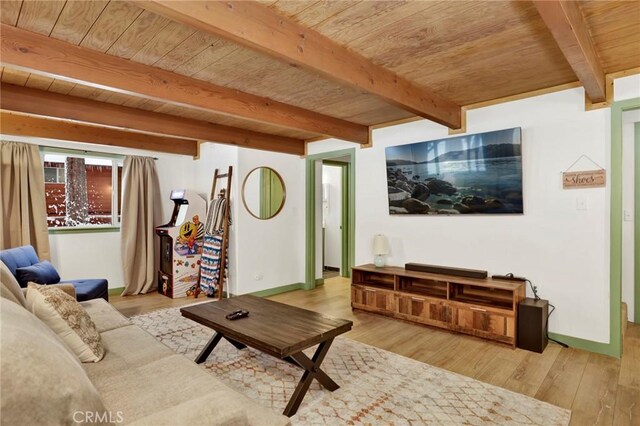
<point x="380" y="244"/>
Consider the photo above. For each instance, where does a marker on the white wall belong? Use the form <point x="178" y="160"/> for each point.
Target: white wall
<point x="271" y="252"/>
<point x="629" y="119"/>
<point x="626" y="88"/>
<point x="90" y="255"/>
<point x="564" y="251"/>
<point x="332" y="178"/>
<point x="98" y="255"/>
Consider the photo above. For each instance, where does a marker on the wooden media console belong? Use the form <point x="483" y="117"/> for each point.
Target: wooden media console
<point x="485" y="308"/>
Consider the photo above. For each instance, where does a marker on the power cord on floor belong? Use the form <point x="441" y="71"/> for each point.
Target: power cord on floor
<point x="553" y="308"/>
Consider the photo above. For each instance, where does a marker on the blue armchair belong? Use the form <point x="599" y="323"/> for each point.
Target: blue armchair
<point x="25" y="256"/>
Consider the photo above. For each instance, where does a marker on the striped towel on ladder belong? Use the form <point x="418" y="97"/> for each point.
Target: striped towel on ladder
<point x="212" y="249"/>
<point x="210" y="267"/>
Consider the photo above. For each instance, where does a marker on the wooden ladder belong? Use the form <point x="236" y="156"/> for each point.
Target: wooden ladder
<point x="224" y="193"/>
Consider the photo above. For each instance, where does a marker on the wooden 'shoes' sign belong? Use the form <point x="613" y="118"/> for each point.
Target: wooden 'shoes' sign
<point x="584" y="179"/>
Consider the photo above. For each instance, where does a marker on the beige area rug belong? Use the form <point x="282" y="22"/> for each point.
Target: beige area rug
<point x="377" y="387"/>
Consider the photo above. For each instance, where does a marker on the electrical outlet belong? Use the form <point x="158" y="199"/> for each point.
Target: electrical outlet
<point x="257" y="277"/>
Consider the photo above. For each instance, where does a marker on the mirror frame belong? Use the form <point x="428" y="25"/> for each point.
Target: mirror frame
<point x="284" y="193"/>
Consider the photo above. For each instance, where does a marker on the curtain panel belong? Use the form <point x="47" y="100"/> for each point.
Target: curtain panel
<point x="141" y="213"/>
<point x="23" y="202"/>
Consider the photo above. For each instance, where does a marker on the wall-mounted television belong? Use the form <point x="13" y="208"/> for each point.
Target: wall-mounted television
<point x="471" y="174"/>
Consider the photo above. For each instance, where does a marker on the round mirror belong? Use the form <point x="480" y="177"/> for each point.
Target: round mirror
<point x="263" y="193"/>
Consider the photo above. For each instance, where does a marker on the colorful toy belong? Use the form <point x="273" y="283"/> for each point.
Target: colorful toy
<point x="181" y="242"/>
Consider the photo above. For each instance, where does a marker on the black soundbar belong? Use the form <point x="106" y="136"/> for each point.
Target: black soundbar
<point x="435" y="269"/>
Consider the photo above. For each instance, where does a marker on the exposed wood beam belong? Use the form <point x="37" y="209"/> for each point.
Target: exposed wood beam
<point x="568" y="27"/>
<point x="25" y="125"/>
<point x="258" y="27"/>
<point x="65" y="107"/>
<point x="44" y="55"/>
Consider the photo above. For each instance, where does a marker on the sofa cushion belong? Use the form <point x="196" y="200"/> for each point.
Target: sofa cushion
<point x="174" y="381"/>
<point x="9" y="287"/>
<point x="88" y="289"/>
<point x="67" y="319"/>
<point x="39" y="273"/>
<point x="126" y="348"/>
<point x="198" y="409"/>
<point x="42" y="381"/>
<point x="18" y="257"/>
<point x="104" y="315"/>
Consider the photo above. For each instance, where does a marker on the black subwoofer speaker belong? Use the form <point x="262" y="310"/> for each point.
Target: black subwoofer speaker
<point x="532" y="324"/>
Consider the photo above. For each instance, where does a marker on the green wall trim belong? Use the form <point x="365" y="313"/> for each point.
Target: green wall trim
<point x="345" y="270"/>
<point x="310" y="216"/>
<point x="615" y="256"/>
<point x="636" y="226"/>
<point x="587" y="345"/>
<point x="84" y="230"/>
<point x="334" y="163"/>
<point x="319" y="281"/>
<point x="116" y="291"/>
<point x="277" y="290"/>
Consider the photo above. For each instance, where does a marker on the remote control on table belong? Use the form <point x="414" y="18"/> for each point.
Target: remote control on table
<point x="240" y="313"/>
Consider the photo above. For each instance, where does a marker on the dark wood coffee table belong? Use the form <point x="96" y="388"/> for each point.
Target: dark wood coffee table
<point x="274" y="328"/>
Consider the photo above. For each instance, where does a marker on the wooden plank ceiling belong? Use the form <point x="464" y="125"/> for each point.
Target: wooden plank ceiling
<point x="464" y="51"/>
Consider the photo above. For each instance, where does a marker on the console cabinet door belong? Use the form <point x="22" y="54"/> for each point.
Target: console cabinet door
<point x="372" y="299"/>
<point x="486" y="323"/>
<point x="424" y="310"/>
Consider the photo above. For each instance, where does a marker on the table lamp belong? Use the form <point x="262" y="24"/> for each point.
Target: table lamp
<point x="380" y="249"/>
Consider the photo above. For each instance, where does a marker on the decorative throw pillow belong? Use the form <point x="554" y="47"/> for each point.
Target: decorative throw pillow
<point x="68" y="319"/>
<point x="40" y="273"/>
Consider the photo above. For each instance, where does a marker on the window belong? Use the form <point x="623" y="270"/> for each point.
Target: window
<point x="83" y="190"/>
<point x="54" y="174"/>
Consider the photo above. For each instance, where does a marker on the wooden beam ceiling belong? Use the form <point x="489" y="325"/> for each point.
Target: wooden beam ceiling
<point x="65" y="107"/>
<point x="568" y="27"/>
<point x="25" y="125"/>
<point x="256" y="26"/>
<point x="51" y="57"/>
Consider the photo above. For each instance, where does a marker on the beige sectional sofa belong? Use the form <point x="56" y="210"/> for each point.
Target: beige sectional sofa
<point x="139" y="382"/>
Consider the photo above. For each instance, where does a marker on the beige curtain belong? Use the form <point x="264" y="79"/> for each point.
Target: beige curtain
<point x="140" y="214"/>
<point x="24" y="207"/>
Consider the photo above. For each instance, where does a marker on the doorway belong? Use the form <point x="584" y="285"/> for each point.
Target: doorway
<point x="330" y="215"/>
<point x="614" y="347"/>
<point x="334" y="221"/>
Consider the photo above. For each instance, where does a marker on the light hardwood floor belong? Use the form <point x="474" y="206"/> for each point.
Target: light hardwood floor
<point x="599" y="390"/>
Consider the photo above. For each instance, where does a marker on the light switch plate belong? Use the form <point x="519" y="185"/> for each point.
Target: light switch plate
<point x="581" y="203"/>
<point x="628" y="215"/>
